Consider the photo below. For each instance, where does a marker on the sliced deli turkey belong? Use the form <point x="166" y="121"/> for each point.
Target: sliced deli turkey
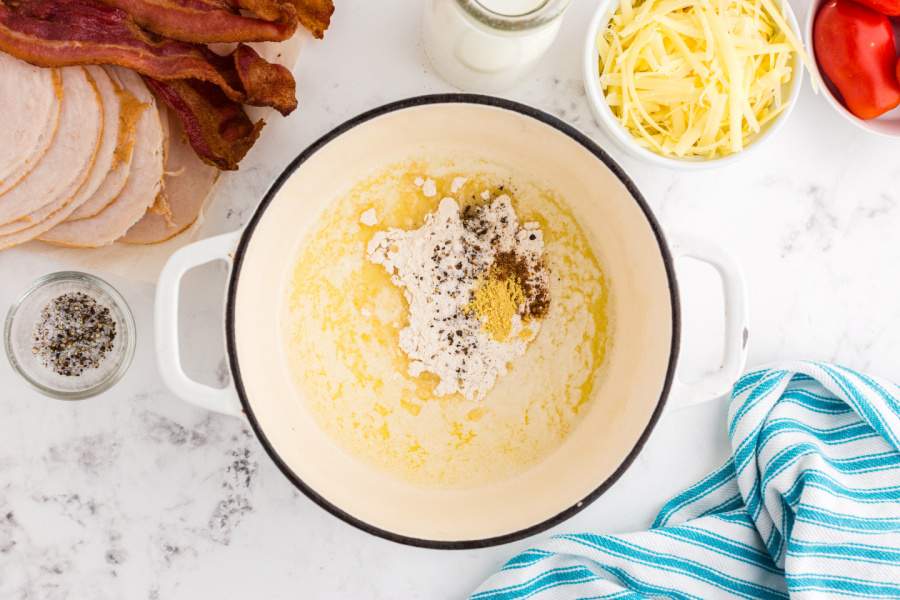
<point x="30" y="100"/>
<point x="188" y="183"/>
<point x="65" y="167"/>
<point x="141" y="188"/>
<point x="64" y="206"/>
<point x="128" y="110"/>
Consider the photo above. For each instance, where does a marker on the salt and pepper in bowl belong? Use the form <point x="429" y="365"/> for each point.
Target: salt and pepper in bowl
<point x="70" y="336"/>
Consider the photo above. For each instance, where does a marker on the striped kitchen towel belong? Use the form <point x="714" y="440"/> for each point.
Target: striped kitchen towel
<point x="807" y="507"/>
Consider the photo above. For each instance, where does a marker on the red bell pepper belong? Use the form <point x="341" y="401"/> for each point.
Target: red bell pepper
<point x="855" y="49"/>
<point x="890" y="8"/>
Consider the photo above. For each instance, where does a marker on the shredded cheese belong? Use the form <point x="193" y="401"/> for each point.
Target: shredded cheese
<point x="696" y="78"/>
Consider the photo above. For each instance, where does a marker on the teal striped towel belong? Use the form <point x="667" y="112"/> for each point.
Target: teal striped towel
<point x="807" y="507"/>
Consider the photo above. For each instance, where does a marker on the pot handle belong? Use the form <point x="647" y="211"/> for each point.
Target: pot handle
<point x="168" y="354"/>
<point x="719" y="382"/>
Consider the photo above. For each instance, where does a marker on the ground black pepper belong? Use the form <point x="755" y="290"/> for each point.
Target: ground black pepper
<point x="74" y="333"/>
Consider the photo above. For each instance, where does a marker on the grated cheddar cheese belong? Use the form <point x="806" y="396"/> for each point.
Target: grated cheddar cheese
<point x="696" y="78"/>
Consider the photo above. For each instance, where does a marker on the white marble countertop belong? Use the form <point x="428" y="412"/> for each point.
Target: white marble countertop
<point x="136" y="494"/>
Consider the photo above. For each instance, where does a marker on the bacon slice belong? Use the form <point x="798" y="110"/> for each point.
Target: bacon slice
<point x="315" y="15"/>
<point x="56" y="33"/>
<point x="266" y="84"/>
<point x="210" y="22"/>
<point x="219" y="131"/>
<point x="271" y="10"/>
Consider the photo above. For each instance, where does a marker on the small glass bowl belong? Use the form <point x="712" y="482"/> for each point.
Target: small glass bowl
<point x="25" y="314"/>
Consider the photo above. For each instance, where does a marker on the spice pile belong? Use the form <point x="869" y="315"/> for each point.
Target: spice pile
<point x="476" y="285"/>
<point x="74" y="334"/>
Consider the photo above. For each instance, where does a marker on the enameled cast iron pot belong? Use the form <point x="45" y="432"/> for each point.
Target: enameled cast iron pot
<point x="637" y="380"/>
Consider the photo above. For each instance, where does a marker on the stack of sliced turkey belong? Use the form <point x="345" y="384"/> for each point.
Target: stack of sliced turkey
<point x="91" y="159"/>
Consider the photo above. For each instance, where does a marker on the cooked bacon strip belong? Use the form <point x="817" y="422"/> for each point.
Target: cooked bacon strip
<point x="208" y="22"/>
<point x="219" y="130"/>
<point x="271" y="10"/>
<point x="315" y="15"/>
<point x="57" y="33"/>
<point x="258" y="76"/>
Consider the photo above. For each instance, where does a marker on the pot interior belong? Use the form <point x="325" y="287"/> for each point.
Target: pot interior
<point x="629" y="391"/>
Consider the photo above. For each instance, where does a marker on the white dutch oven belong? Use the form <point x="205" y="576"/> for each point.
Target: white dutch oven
<point x="639" y="375"/>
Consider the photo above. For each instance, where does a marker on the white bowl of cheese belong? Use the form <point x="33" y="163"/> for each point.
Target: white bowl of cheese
<point x="679" y="78"/>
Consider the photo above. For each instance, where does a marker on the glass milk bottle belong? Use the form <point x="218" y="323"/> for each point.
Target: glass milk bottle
<point x="488" y="45"/>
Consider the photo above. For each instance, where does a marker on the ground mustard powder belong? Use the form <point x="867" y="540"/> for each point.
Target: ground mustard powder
<point x="496" y="301"/>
